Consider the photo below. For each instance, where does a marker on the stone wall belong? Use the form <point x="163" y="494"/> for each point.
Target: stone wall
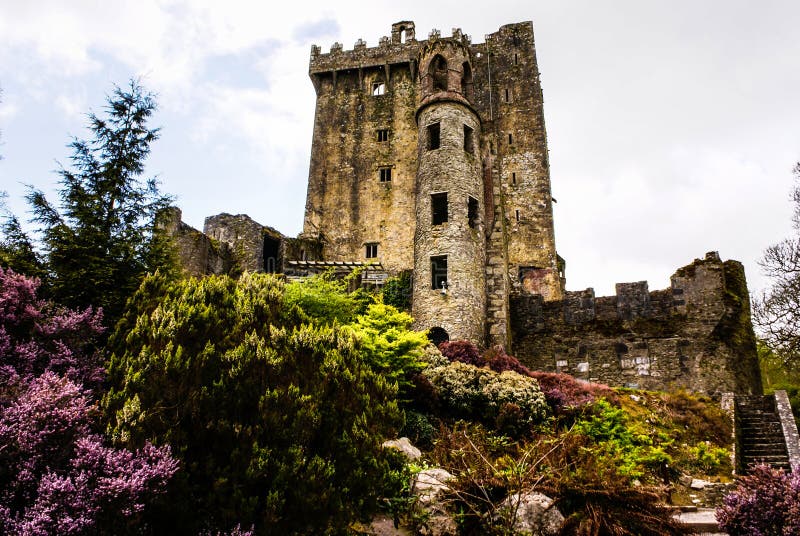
<point x="696" y="335"/>
<point x="198" y="254"/>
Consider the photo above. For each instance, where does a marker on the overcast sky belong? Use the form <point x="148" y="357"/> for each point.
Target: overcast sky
<point x="673" y="126"/>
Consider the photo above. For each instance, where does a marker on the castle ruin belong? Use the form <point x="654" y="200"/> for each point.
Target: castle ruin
<point x="429" y="156"/>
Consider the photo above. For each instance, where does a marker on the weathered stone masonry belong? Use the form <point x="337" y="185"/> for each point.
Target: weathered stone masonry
<point x="430" y="157"/>
<point x="696" y="335"/>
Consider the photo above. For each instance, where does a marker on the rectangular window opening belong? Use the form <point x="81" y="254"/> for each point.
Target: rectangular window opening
<point x="371" y="250"/>
<point x="513" y="178"/>
<point x="517" y="215"/>
<point x="472" y="212"/>
<point x="378" y="88"/>
<point x="385" y="174"/>
<point x="510" y="139"/>
<point x="383" y="135"/>
<point x="515" y="58"/>
<point x="438" y="208"/>
<point x="439" y="272"/>
<point x="508" y="95"/>
<point x="469" y="143"/>
<point x="433" y="136"/>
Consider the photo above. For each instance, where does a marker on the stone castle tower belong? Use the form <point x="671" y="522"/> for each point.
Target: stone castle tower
<point x="430" y="156"/>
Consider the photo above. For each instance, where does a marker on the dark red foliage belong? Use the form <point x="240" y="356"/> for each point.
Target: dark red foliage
<point x="499" y="361"/>
<point x="565" y="393"/>
<point x="463" y="351"/>
<point x="424" y="396"/>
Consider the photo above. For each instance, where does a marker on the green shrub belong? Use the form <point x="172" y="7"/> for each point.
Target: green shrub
<point x="709" y="459"/>
<point x="397" y="291"/>
<point x="472" y="392"/>
<point x="275" y="424"/>
<point x="388" y="345"/>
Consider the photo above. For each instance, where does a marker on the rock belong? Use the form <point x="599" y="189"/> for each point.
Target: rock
<point x="439" y="523"/>
<point x="428" y="485"/>
<point x="685" y="480"/>
<point x="533" y="513"/>
<point x="699" y="484"/>
<point x="430" y="482"/>
<point x="403" y="445"/>
<point x="383" y="525"/>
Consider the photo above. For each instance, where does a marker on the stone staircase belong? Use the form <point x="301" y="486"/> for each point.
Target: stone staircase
<point x="759" y="433"/>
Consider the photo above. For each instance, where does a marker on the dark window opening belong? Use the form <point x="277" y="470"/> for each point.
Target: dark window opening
<point x="439" y="272"/>
<point x="383" y="135"/>
<point x="472" y="212"/>
<point x="371" y="250"/>
<point x="438" y="71"/>
<point x="491" y="147"/>
<point x="434" y="139"/>
<point x="517" y="214"/>
<point x="438" y="335"/>
<point x="378" y="88"/>
<point x="438" y="208"/>
<point x="513" y="178"/>
<point x="508" y="95"/>
<point x="511" y="139"/>
<point x="385" y="174"/>
<point x="466" y="81"/>
<point x="469" y="145"/>
<point x="272" y="249"/>
<point x="515" y="58"/>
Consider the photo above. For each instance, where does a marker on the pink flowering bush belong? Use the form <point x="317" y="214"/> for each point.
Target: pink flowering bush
<point x="765" y="503"/>
<point x="37" y="335"/>
<point x="56" y="477"/>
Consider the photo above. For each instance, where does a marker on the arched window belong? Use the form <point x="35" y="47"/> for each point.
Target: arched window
<point x="438" y="335"/>
<point x="438" y="73"/>
<point x="466" y="81"/>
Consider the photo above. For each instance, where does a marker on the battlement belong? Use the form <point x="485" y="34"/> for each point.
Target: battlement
<point x="400" y="47"/>
<point x="696" y="334"/>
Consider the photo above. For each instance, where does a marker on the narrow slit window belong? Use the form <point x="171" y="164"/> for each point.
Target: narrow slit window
<point x="385" y="174"/>
<point x="383" y="135"/>
<point x="515" y="58"/>
<point x="516" y="212"/>
<point x="371" y="250"/>
<point x="469" y="142"/>
<point x="378" y="88"/>
<point x="513" y="177"/>
<point x="439" y="272"/>
<point x="472" y="212"/>
<point x="438" y="208"/>
<point x="434" y="138"/>
<point x="510" y="139"/>
<point x="508" y="95"/>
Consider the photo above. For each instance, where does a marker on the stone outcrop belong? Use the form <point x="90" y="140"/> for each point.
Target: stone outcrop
<point x="532" y="513"/>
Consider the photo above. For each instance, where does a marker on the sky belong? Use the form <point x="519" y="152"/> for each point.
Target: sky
<point x="673" y="127"/>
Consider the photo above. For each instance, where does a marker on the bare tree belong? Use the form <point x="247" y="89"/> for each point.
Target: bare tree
<point x="777" y="311"/>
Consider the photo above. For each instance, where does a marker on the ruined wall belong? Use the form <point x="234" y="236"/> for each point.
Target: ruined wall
<point x="198" y="254"/>
<point x="695" y="335"/>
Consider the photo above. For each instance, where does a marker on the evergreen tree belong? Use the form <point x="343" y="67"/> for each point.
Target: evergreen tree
<point x="103" y="239"/>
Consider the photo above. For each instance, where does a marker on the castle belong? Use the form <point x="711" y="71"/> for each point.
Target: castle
<point x="430" y="157"/>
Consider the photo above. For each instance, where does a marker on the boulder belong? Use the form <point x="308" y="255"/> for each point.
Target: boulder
<point x="403" y="445"/>
<point x="430" y="483"/>
<point x="532" y="513"/>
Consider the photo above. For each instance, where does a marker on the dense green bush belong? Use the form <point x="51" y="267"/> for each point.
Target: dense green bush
<point x="472" y="392"/>
<point x="276" y="424"/>
<point x="397" y="291"/>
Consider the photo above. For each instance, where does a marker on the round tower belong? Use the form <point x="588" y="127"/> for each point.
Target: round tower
<point x="449" y="243"/>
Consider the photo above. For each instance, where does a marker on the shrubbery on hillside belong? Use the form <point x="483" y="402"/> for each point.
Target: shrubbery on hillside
<point x="276" y="411"/>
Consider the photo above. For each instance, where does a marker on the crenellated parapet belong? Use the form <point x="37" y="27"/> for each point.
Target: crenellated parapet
<point x="696" y="334"/>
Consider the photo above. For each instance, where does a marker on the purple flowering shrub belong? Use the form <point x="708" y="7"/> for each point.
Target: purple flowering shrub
<point x="37" y="335"/>
<point x="765" y="503"/>
<point x="56" y="477"/>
